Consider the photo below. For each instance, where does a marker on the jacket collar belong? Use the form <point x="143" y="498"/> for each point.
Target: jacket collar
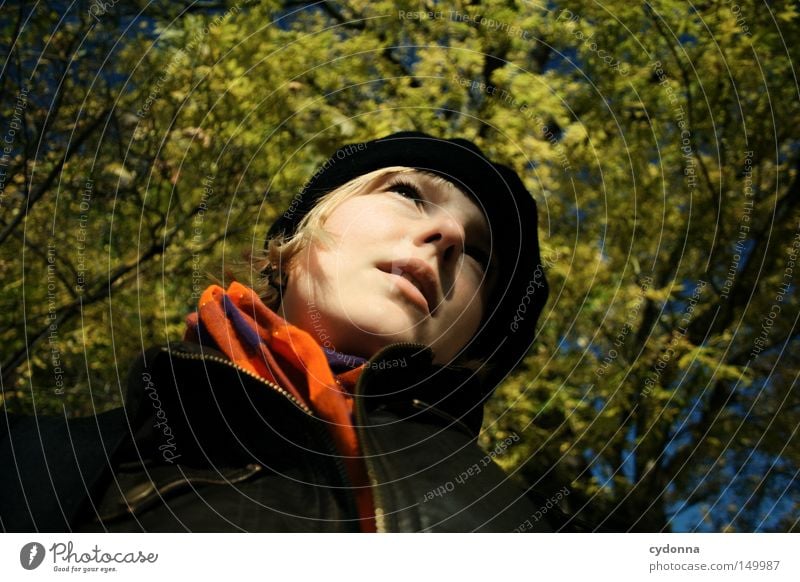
<point x="404" y="374"/>
<point x="403" y="377"/>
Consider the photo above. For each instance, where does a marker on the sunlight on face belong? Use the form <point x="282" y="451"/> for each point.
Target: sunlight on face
<point x="408" y="264"/>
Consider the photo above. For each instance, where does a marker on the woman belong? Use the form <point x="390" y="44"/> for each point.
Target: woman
<point x="399" y="288"/>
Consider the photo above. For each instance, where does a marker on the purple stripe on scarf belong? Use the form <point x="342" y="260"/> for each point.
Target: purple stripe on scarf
<point x="248" y="334"/>
<point x="246" y="331"/>
<point x="340" y="362"/>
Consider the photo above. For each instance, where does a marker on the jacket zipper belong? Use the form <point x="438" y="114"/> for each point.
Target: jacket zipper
<point x="380" y="516"/>
<point x="230" y="364"/>
<point x="321" y="430"/>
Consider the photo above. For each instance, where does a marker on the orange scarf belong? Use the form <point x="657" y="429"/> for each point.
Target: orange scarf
<point x="257" y="339"/>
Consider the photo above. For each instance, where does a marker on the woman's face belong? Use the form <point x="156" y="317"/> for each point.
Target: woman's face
<point x="402" y="269"/>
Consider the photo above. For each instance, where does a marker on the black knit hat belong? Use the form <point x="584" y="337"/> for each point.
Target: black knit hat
<point x="509" y="325"/>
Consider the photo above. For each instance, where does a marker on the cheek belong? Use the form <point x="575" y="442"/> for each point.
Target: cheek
<point x="364" y="231"/>
<point x="360" y="216"/>
<point x="374" y="215"/>
<point x="463" y="323"/>
<point x="323" y="273"/>
<point x="476" y="310"/>
<point x="470" y="304"/>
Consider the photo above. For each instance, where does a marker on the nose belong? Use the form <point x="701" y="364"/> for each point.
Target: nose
<point x="446" y="235"/>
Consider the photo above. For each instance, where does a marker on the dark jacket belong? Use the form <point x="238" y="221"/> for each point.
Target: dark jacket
<point x="203" y="445"/>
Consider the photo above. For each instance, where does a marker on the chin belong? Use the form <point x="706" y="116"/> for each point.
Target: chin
<point x="387" y="334"/>
<point x="382" y="324"/>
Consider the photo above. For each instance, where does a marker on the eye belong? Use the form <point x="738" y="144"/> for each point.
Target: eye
<point x="408" y="190"/>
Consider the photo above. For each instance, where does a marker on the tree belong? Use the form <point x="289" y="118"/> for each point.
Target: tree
<point x="155" y="145"/>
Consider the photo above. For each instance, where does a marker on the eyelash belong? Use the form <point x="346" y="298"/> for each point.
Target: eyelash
<point x="400" y="186"/>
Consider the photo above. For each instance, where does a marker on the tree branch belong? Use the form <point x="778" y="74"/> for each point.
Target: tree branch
<point x="42" y="189"/>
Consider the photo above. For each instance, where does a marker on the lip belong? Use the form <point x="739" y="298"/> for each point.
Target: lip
<point x="424" y="284"/>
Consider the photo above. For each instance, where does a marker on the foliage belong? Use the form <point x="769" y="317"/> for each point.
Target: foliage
<point x="156" y="145"/>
